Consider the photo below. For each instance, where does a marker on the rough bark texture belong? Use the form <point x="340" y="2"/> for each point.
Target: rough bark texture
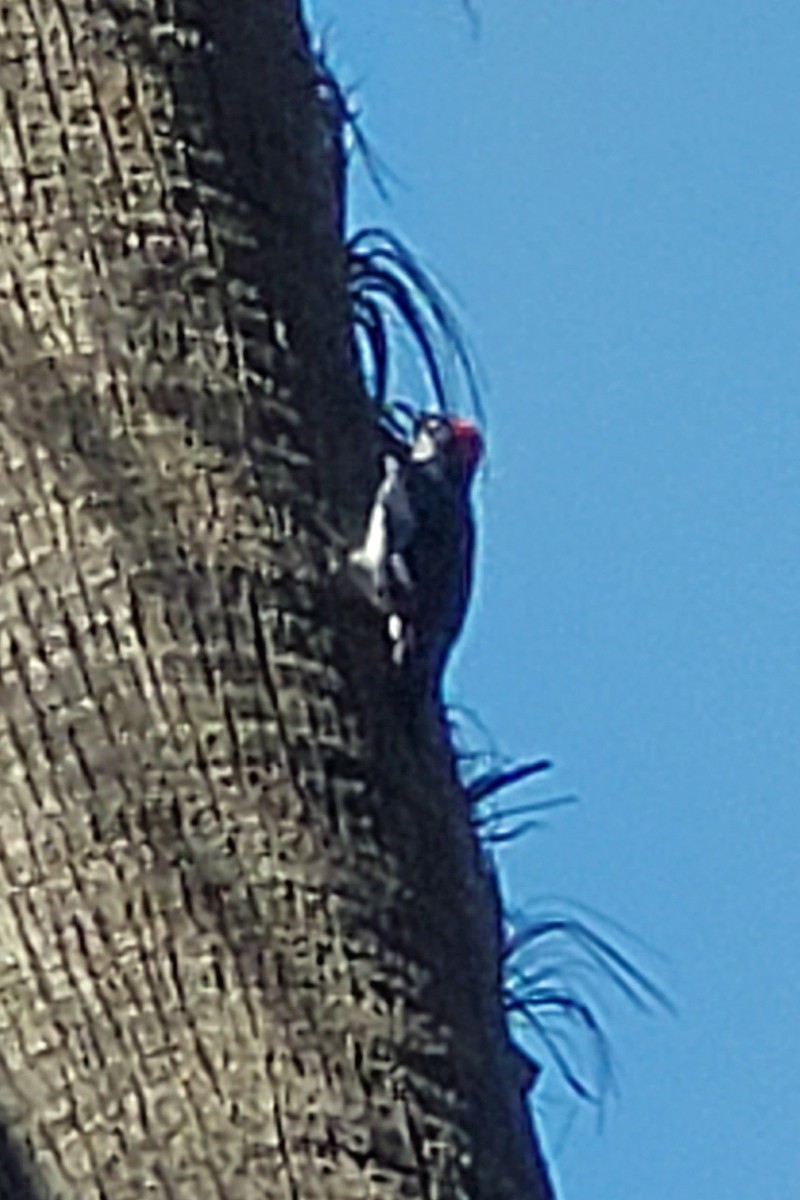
<point x="247" y="948"/>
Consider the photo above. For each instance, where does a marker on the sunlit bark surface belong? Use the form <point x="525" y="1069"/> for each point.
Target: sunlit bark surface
<point x="246" y="945"/>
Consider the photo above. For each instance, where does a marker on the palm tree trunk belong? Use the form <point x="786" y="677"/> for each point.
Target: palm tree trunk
<point x="248" y="949"/>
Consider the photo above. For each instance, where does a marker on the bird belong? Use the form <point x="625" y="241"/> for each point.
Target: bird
<point x="415" y="563"/>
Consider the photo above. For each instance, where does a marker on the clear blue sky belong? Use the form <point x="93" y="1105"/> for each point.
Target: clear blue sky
<point x="611" y="189"/>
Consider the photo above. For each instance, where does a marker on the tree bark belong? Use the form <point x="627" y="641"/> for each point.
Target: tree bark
<point x="249" y="948"/>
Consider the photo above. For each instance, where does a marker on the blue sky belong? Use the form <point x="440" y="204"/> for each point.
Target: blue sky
<point x="611" y="190"/>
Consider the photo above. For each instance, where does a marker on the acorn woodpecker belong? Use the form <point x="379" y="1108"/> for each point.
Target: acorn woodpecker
<point x="416" y="560"/>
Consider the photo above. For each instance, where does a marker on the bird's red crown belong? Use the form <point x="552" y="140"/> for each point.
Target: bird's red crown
<point x="468" y="441"/>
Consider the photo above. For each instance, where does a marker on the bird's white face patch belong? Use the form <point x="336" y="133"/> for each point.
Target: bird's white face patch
<point x="428" y="441"/>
